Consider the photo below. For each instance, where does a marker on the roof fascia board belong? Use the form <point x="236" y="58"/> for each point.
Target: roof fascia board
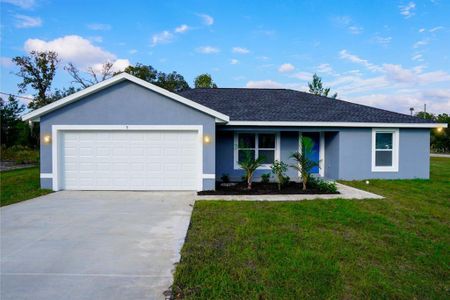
<point x="336" y="124"/>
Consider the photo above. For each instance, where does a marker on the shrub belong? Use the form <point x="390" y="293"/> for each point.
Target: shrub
<point x="322" y="185"/>
<point x="265" y="178"/>
<point x="225" y="178"/>
<point x="249" y="164"/>
<point x="278" y="169"/>
<point x="20" y="154"/>
<point x="304" y="164"/>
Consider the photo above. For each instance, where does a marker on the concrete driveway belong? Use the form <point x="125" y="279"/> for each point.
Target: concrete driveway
<point x="92" y="245"/>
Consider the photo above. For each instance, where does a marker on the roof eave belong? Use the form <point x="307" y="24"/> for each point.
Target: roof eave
<point x="337" y="124"/>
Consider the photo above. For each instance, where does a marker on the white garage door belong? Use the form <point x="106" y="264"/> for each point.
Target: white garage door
<point x="129" y="160"/>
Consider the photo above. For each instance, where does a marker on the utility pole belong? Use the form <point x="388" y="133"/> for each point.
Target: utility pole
<point x="425" y="108"/>
<point x="411" y="109"/>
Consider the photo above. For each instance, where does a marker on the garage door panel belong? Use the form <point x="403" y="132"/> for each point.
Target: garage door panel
<point x="130" y="160"/>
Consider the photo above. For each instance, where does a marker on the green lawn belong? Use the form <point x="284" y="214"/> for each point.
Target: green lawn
<point x="398" y="247"/>
<point x="19" y="185"/>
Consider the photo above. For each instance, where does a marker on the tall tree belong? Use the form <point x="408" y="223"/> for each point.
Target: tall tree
<point x="147" y="73"/>
<point x="173" y="82"/>
<point x="440" y="137"/>
<point x="204" y="81"/>
<point x="37" y="70"/>
<point x="93" y="76"/>
<point x="10" y="111"/>
<point x="316" y="87"/>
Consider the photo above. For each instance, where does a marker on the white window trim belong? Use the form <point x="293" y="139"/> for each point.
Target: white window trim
<point x="57" y="129"/>
<point x="236" y="148"/>
<point x="395" y="149"/>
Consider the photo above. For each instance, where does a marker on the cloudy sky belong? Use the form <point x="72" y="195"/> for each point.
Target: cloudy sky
<point x="389" y="54"/>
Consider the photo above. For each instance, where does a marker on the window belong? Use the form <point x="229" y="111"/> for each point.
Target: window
<point x="385" y="150"/>
<point x="257" y="145"/>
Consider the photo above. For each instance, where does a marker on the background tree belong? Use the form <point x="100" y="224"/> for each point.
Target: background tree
<point x="37" y="70"/>
<point x="11" y="126"/>
<point x="204" y="81"/>
<point x="173" y="82"/>
<point x="316" y="87"/>
<point x="440" y="137"/>
<point x="93" y="77"/>
<point x="147" y="73"/>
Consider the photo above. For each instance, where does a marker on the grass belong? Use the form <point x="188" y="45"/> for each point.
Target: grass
<point x="397" y="247"/>
<point x="20" y="185"/>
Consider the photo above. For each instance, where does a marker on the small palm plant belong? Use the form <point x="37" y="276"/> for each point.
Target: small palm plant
<point x="304" y="164"/>
<point x="249" y="164"/>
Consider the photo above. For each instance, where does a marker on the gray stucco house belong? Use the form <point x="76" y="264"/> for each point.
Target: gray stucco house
<point x="127" y="134"/>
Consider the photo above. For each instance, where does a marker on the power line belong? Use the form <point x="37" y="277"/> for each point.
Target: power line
<point x="8" y="94"/>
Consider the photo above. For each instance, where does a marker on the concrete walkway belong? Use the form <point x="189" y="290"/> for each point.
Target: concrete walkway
<point x="346" y="192"/>
<point x="92" y="245"/>
<point x="440" y="155"/>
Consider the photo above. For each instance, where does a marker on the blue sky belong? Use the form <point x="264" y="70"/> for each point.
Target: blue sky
<point x="388" y="54"/>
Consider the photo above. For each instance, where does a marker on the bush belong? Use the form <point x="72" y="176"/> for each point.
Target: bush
<point x="324" y="186"/>
<point x="225" y="178"/>
<point x="265" y="178"/>
<point x="279" y="168"/>
<point x="20" y="155"/>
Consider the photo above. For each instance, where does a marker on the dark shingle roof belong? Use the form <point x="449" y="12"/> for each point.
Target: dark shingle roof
<point x="245" y="104"/>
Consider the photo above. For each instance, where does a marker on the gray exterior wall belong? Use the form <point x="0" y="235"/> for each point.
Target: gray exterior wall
<point x="128" y="104"/>
<point x="355" y="154"/>
<point x="348" y="152"/>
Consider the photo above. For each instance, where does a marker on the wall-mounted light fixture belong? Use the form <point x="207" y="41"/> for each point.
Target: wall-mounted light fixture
<point x="206" y="139"/>
<point x="439" y="129"/>
<point x="47" y="139"/>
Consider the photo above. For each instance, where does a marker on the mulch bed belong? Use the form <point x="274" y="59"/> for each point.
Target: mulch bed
<point x="259" y="188"/>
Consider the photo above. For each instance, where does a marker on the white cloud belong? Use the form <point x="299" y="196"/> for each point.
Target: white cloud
<point x="118" y="66"/>
<point x="234" y="61"/>
<point x="407" y="10"/>
<point x="96" y="38"/>
<point x="325" y="68"/>
<point x="347" y="23"/>
<point x="383" y="41"/>
<point x="207" y="20"/>
<point x="182" y="28"/>
<point x="98" y="26"/>
<point x="133" y="51"/>
<point x="75" y="49"/>
<point x="27" y="21"/>
<point x="25" y="4"/>
<point x="344" y="54"/>
<point x="437" y="28"/>
<point x="422" y="30"/>
<point x="162" y="38"/>
<point x="421" y="43"/>
<point x="268" y="84"/>
<point x="6" y="62"/>
<point x="355" y="29"/>
<point x="240" y="50"/>
<point x="263" y="58"/>
<point x="305" y="76"/>
<point x="285" y="68"/>
<point x="417" y="57"/>
<point x="207" y="50"/>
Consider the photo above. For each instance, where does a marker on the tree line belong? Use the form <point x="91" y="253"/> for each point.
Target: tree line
<point x="37" y="71"/>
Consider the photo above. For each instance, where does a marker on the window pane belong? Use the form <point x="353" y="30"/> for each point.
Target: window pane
<point x="246" y="140"/>
<point x="269" y="156"/>
<point x="243" y="154"/>
<point x="383" y="158"/>
<point x="266" y="141"/>
<point x="384" y="140"/>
